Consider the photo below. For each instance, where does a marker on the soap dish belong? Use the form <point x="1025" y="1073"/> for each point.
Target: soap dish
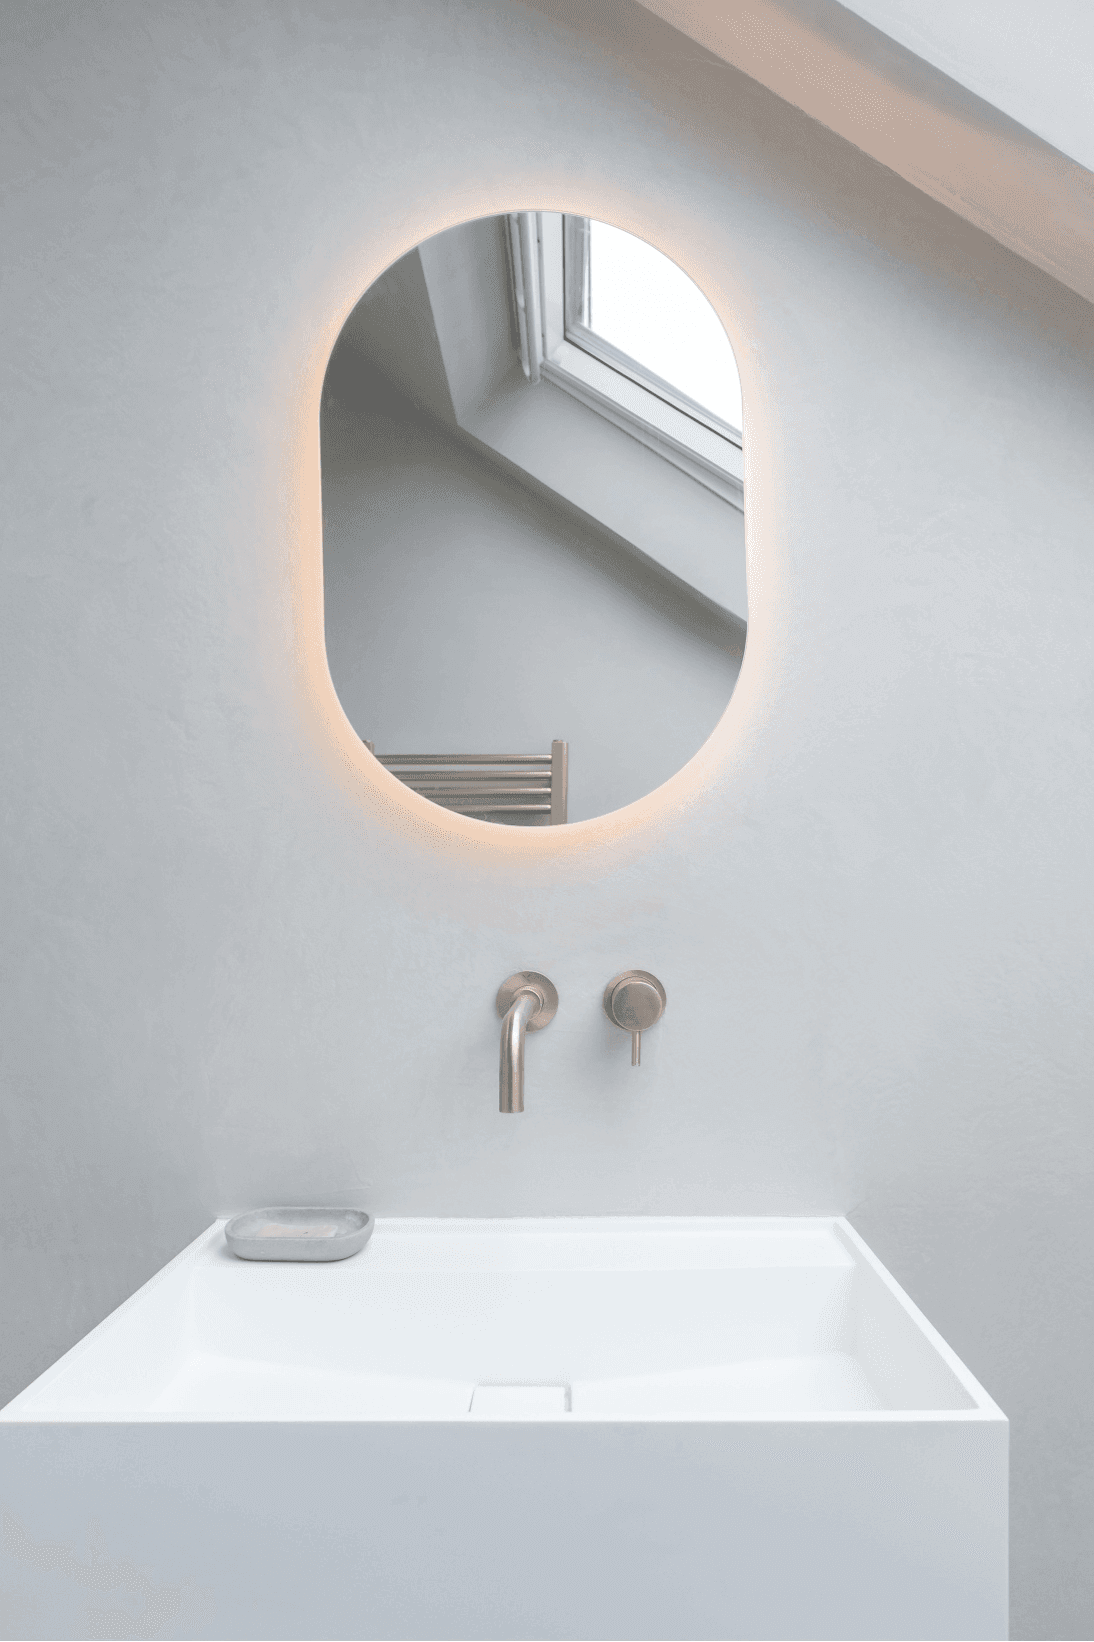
<point x="298" y="1234"/>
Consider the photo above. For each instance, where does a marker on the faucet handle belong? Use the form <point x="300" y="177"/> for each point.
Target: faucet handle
<point x="635" y="1001"/>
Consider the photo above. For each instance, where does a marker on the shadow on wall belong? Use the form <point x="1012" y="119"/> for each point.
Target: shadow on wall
<point x="466" y="610"/>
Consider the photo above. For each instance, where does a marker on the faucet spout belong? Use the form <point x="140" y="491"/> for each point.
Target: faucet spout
<point x="527" y="1002"/>
<point x="514" y="1027"/>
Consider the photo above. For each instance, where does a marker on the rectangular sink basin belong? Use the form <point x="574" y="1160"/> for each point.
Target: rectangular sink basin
<point x="513" y="1428"/>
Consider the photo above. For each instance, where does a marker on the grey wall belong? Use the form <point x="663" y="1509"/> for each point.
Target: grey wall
<point x="868" y="894"/>
<point x="466" y="613"/>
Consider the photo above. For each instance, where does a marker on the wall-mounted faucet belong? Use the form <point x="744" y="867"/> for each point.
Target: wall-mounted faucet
<point x="528" y="1002"/>
<point x="635" y="1001"/>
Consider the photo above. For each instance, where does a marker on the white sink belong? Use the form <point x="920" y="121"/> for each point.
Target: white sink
<point x="597" y="1428"/>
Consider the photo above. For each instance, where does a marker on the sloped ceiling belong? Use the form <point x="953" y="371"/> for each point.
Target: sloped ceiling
<point x="1034" y="62"/>
<point x="913" y="115"/>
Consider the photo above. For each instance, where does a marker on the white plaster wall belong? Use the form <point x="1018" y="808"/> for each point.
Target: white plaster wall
<point x="869" y="897"/>
<point x="467" y="612"/>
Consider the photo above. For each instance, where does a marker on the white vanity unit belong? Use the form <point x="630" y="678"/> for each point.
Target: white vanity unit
<point x="512" y="1428"/>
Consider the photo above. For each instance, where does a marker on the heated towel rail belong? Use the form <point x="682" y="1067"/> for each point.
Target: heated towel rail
<point x="517" y="788"/>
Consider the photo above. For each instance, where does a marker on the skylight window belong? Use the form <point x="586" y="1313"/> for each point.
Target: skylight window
<point x="617" y="324"/>
<point x="636" y="300"/>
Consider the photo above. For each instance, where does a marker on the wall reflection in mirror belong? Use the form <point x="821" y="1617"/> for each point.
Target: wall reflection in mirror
<point x="532" y="513"/>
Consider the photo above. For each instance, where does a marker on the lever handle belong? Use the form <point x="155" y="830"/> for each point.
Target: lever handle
<point x="635" y="1001"/>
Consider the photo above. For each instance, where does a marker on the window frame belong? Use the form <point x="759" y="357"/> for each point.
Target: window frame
<point x="575" y="264"/>
<point x="548" y="258"/>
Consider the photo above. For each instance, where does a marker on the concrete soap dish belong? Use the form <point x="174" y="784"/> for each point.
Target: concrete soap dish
<point x="298" y="1234"/>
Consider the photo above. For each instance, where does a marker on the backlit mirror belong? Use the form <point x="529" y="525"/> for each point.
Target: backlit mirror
<point x="532" y="514"/>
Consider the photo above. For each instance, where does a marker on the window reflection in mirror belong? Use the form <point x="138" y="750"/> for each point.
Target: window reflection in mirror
<point x="633" y="307"/>
<point x="532" y="513"/>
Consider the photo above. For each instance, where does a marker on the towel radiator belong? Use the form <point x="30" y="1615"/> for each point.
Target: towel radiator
<point x="515" y="788"/>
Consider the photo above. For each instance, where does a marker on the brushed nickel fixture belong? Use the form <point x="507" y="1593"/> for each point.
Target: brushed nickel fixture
<point x="635" y="1001"/>
<point x="528" y="1002"/>
<point x="508" y="787"/>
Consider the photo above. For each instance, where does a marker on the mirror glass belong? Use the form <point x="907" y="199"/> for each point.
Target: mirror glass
<point x="533" y="531"/>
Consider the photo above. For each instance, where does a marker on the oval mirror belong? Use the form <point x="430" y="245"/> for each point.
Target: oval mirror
<point x="532" y="514"/>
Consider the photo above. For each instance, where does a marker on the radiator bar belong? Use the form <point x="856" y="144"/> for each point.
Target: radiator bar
<point x="428" y="760"/>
